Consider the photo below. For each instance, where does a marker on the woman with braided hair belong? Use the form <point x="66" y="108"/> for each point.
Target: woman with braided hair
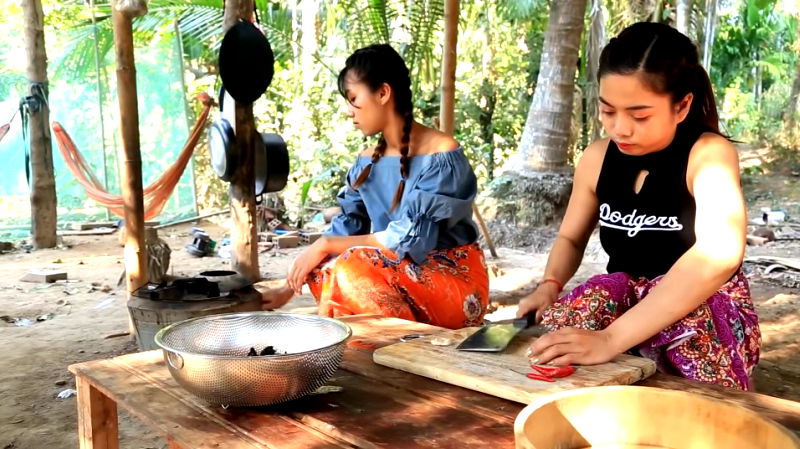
<point x="405" y="243"/>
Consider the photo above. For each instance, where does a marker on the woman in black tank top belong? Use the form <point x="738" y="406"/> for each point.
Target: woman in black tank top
<point x="664" y="189"/>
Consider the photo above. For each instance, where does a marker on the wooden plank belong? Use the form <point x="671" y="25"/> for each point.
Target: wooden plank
<point x="782" y="411"/>
<point x="97" y="418"/>
<point x="502" y="374"/>
<point x="382" y="331"/>
<point x="364" y="414"/>
<point x="141" y="384"/>
<point x="370" y="414"/>
<point x="106" y="224"/>
<point x="96" y="231"/>
<point x="378" y="331"/>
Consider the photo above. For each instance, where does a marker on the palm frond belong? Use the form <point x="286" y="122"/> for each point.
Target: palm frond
<point x="200" y="23"/>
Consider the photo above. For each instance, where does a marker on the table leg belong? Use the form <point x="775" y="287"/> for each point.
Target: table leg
<point x="97" y="417"/>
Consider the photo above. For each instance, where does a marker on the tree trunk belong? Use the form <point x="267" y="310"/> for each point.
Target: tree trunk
<point x="242" y="189"/>
<point x="43" y="184"/>
<point x="791" y="108"/>
<point x="488" y="90"/>
<point x="683" y="16"/>
<point x="595" y="41"/>
<point x="710" y="31"/>
<point x="545" y="139"/>
<point x="448" y="89"/>
<point x="131" y="181"/>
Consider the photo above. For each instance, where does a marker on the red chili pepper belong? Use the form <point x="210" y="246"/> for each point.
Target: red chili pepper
<point x="535" y="376"/>
<point x="554" y="371"/>
<point x="361" y="345"/>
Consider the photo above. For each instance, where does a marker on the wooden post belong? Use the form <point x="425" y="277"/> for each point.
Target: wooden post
<point x="132" y="194"/>
<point x="448" y="93"/>
<point x="242" y="189"/>
<point x="449" y="61"/>
<point x="97" y="417"/>
<point x="42" y="182"/>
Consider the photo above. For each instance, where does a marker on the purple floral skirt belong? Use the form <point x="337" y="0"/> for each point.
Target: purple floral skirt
<point x="717" y="343"/>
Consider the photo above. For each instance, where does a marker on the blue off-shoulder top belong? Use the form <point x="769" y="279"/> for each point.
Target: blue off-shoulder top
<point x="435" y="212"/>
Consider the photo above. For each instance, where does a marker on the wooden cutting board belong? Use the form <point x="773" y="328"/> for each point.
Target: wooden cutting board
<point x="501" y="374"/>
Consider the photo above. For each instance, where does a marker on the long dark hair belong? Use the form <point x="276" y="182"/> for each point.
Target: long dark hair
<point x="669" y="64"/>
<point x="374" y="66"/>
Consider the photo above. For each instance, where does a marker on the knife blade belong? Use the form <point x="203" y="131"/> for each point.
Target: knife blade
<point x="495" y="336"/>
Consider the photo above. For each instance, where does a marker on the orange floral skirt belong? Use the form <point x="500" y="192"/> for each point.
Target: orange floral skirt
<point x="451" y="289"/>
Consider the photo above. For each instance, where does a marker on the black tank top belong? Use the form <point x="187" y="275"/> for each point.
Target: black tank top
<point x="645" y="233"/>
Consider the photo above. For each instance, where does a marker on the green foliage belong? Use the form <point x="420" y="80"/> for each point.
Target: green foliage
<point x="753" y="68"/>
<point x="499" y="48"/>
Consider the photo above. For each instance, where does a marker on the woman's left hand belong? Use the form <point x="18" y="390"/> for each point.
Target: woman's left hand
<point x="303" y="264"/>
<point x="572" y="346"/>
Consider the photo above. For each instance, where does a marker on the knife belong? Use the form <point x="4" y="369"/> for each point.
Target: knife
<point x="495" y="336"/>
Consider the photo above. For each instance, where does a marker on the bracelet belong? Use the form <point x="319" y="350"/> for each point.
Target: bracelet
<point x="558" y="284"/>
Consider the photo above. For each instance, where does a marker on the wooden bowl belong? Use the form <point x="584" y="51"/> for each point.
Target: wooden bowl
<point x="626" y="417"/>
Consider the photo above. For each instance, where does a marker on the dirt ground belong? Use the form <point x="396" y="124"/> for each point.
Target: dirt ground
<point x="82" y="316"/>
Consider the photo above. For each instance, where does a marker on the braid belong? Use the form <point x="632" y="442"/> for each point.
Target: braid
<point x="376" y="155"/>
<point x="408" y="120"/>
<point x="375" y="66"/>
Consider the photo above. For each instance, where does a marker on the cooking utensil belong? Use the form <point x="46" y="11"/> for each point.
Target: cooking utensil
<point x="208" y="355"/>
<point x="272" y="163"/>
<point x="494" y="337"/>
<point x="245" y="62"/>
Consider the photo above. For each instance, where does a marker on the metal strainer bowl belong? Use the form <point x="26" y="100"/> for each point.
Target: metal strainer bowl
<point x="208" y="355"/>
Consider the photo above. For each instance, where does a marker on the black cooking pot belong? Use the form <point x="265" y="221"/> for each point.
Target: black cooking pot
<point x="271" y="155"/>
<point x="245" y="62"/>
<point x="272" y="163"/>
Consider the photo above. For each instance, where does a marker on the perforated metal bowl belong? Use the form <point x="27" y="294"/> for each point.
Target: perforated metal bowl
<point x="208" y="355"/>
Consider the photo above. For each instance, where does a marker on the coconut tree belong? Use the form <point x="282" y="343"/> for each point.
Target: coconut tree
<point x="545" y="139"/>
<point x="683" y="16"/>
<point x="42" y="178"/>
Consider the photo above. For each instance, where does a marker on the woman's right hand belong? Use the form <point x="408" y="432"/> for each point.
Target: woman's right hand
<point x="542" y="297"/>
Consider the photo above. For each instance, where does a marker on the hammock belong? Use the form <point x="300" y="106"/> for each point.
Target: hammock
<point x="4" y="130"/>
<point x="156" y="194"/>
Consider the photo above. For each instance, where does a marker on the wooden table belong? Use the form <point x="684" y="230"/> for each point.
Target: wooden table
<point x="377" y="406"/>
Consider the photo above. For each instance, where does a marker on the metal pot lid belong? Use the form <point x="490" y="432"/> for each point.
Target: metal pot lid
<point x="221" y="143"/>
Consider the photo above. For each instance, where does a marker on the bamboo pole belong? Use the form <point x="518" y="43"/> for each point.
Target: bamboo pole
<point x="131" y="182"/>
<point x="242" y="188"/>
<point x="448" y="94"/>
<point x="449" y="61"/>
<point x="42" y="177"/>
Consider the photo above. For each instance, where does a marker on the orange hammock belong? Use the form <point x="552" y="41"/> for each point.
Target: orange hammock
<point x="156" y="194"/>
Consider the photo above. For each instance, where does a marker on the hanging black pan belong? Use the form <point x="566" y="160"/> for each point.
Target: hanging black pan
<point x="245" y="62"/>
<point x="272" y="163"/>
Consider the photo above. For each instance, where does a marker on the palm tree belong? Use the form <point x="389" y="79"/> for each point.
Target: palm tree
<point x="545" y="139"/>
<point x="412" y="27"/>
<point x="791" y="108"/>
<point x="683" y="16"/>
<point x="198" y="22"/>
<point x="595" y="41"/>
<point x="42" y="177"/>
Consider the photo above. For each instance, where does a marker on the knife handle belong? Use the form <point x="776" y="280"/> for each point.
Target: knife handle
<point x="531" y="318"/>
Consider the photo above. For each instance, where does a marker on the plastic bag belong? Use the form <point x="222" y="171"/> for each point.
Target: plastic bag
<point x="132" y="8"/>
